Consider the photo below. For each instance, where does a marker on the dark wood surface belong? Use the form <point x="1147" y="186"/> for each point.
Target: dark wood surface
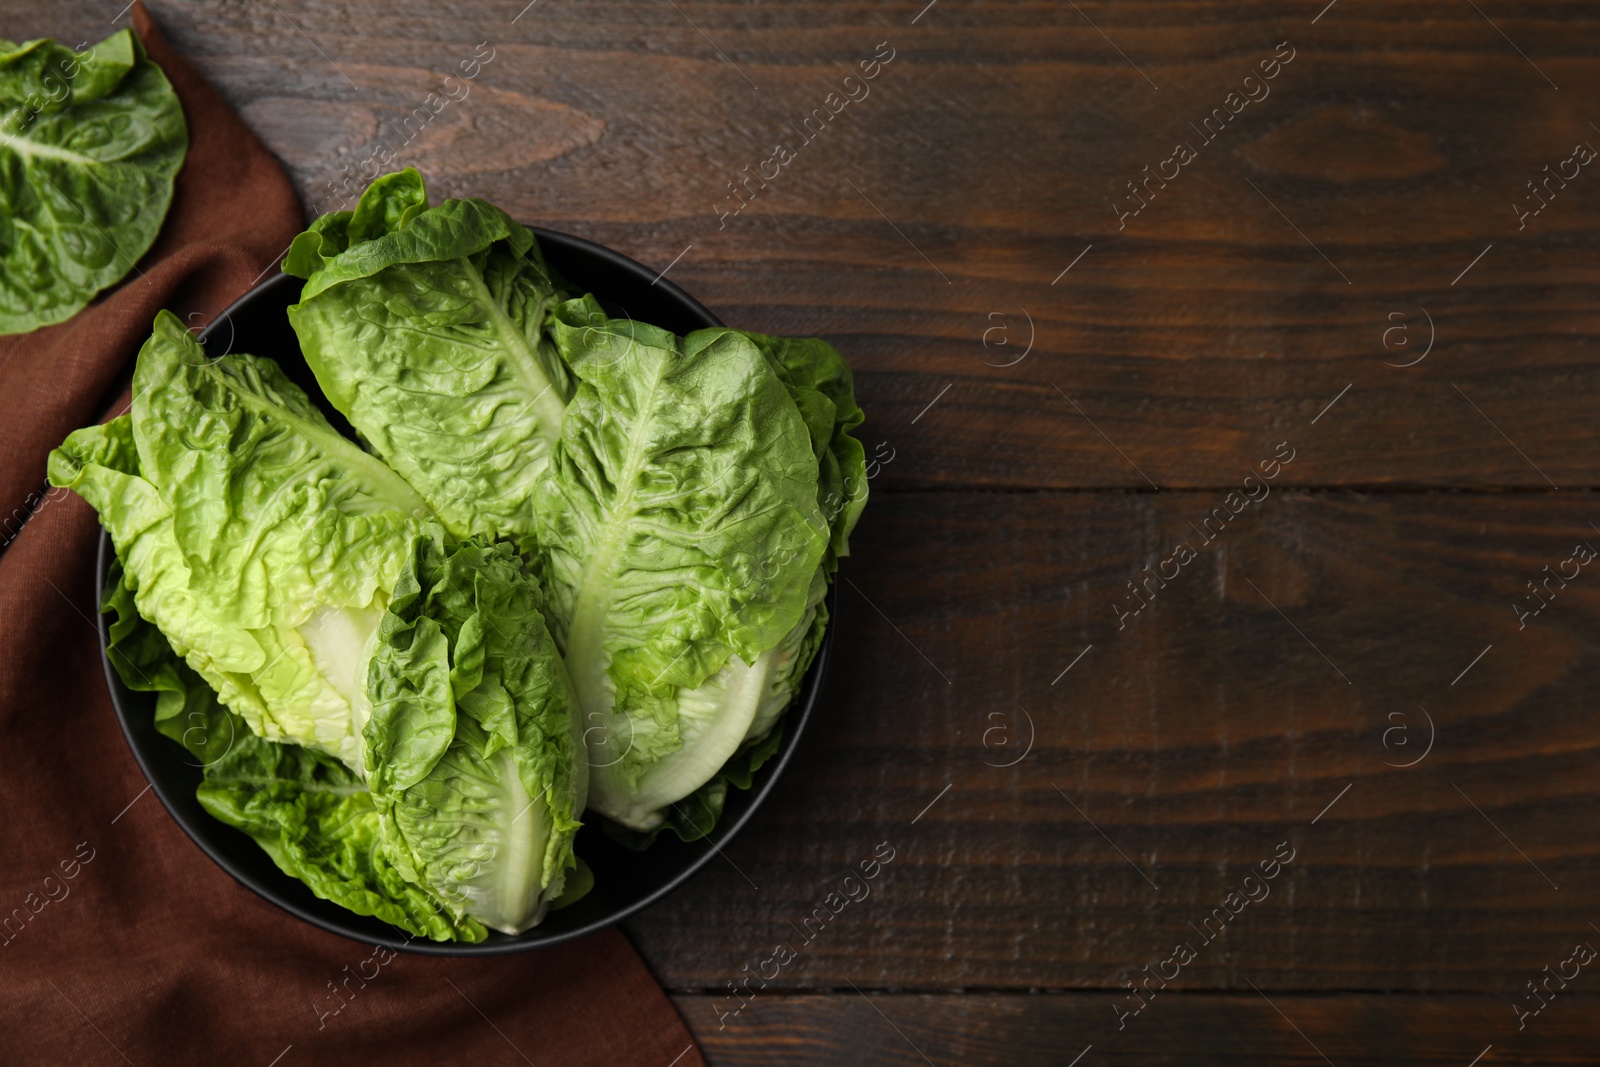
<point x="1324" y="636"/>
<point x="1251" y="1030"/>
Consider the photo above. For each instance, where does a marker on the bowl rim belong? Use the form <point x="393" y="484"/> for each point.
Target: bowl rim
<point x="795" y="718"/>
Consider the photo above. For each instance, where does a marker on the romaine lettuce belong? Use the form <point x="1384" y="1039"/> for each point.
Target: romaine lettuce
<point x="261" y="542"/>
<point x="423" y="327"/>
<point x="683" y="469"/>
<point x="308" y="812"/>
<point x="475" y="760"/>
<point x="823" y="389"/>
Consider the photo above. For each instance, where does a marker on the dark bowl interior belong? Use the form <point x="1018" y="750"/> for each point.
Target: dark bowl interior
<point x="625" y="880"/>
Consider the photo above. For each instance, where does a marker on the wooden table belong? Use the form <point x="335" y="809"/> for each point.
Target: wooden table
<point x="1328" y="347"/>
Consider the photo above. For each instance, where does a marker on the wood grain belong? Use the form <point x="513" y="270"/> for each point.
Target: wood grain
<point x="988" y="1030"/>
<point x="940" y="210"/>
<point x="1197" y="738"/>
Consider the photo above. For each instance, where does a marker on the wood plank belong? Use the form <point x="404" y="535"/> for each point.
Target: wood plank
<point x="1197" y="739"/>
<point x="997" y="141"/>
<point x="980" y="1030"/>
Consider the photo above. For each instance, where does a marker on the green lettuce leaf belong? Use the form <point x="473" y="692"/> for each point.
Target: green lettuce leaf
<point x="308" y="812"/>
<point x="187" y="709"/>
<point x="290" y="537"/>
<point x="684" y="469"/>
<point x="264" y="545"/>
<point x="423" y="327"/>
<point x="90" y="144"/>
<point x="823" y="389"/>
<point x="101" y="464"/>
<point x="696" y="815"/>
<point x="279" y="512"/>
<point x="472" y="753"/>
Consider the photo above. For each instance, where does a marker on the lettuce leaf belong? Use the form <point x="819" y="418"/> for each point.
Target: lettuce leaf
<point x="684" y="469"/>
<point x="308" y="812"/>
<point x="280" y="513"/>
<point x="90" y="144"/>
<point x="101" y="464"/>
<point x="473" y="756"/>
<point x="823" y="389"/>
<point x="697" y="814"/>
<point x="264" y="544"/>
<point x="423" y="327"/>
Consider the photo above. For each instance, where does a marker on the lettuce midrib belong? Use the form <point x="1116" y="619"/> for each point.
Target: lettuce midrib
<point x="374" y="473"/>
<point x="587" y="662"/>
<point x="529" y="369"/>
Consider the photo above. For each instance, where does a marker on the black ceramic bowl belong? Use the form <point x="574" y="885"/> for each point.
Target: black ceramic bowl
<point x="625" y="881"/>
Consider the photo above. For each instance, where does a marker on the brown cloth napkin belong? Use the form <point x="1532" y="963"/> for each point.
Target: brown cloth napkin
<point x="119" y="940"/>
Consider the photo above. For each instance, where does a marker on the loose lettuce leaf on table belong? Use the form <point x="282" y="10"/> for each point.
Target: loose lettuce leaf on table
<point x="423" y="327"/>
<point x="307" y="811"/>
<point x="90" y="144"/>
<point x="472" y="750"/>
